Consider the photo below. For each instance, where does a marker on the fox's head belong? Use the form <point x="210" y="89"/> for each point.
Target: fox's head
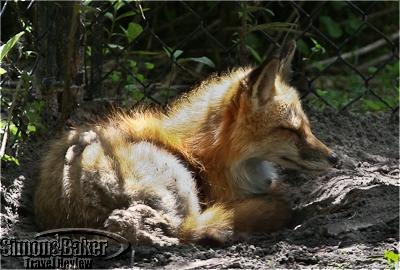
<point x="280" y="131"/>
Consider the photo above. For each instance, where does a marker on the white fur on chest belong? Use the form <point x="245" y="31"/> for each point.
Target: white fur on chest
<point x="254" y="176"/>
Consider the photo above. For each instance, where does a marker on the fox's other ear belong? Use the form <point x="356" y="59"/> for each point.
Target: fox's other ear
<point x="285" y="56"/>
<point x="261" y="80"/>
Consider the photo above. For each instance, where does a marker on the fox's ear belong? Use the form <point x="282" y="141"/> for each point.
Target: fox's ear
<point x="285" y="55"/>
<point x="261" y="80"/>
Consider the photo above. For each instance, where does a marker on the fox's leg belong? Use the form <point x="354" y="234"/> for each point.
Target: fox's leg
<point x="266" y="214"/>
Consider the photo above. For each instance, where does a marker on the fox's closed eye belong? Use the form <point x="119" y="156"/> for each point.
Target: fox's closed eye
<point x="289" y="129"/>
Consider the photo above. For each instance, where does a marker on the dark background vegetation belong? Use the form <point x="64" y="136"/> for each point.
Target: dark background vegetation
<point x="57" y="56"/>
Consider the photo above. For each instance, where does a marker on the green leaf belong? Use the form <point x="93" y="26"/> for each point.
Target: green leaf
<point x="131" y="87"/>
<point x="203" y="60"/>
<point x="322" y="93"/>
<point x="393" y="68"/>
<point x="132" y="63"/>
<point x="167" y="51"/>
<point x="119" y="5"/>
<point x="334" y="29"/>
<point x="176" y="54"/>
<point x="134" y="30"/>
<point x="372" y="69"/>
<point x="31" y="129"/>
<point x="390" y="255"/>
<point x="9" y="158"/>
<point x="26" y="77"/>
<point x="3" y="125"/>
<point x="129" y="13"/>
<point x="38" y="106"/>
<point x="339" y="5"/>
<point x="140" y="77"/>
<point x="109" y="15"/>
<point x="303" y="47"/>
<point x="314" y="41"/>
<point x="317" y="47"/>
<point x="126" y="14"/>
<point x="115" y="76"/>
<point x="255" y="54"/>
<point x="267" y="26"/>
<point x="30" y="54"/>
<point x="373" y="105"/>
<point x="130" y="79"/>
<point x="5" y="48"/>
<point x="137" y="96"/>
<point x="318" y="65"/>
<point x="31" y="116"/>
<point x="354" y="22"/>
<point x="149" y="65"/>
<point x="87" y="8"/>
<point x="115" y="46"/>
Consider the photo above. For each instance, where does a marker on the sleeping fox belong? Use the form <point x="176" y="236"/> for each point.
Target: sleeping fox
<point x="200" y="171"/>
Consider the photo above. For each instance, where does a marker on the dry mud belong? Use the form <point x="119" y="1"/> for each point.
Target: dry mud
<point x="343" y="219"/>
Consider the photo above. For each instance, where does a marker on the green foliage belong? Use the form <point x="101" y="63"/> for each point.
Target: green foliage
<point x="177" y="53"/>
<point x="8" y="158"/>
<point x="345" y="87"/>
<point x="139" y="62"/>
<point x="115" y="16"/>
<point x="132" y="31"/>
<point x="247" y="38"/>
<point x="131" y="86"/>
<point x="333" y="27"/>
<point x="23" y="121"/>
<point x="5" y="48"/>
<point x="390" y="258"/>
<point x="334" y="30"/>
<point x="316" y="50"/>
<point x="349" y="87"/>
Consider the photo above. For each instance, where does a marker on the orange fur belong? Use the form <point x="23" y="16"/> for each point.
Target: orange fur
<point x="143" y="165"/>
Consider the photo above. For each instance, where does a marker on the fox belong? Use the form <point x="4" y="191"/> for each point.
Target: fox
<point x="200" y="171"/>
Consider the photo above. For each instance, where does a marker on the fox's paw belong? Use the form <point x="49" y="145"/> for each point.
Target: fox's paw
<point x="142" y="225"/>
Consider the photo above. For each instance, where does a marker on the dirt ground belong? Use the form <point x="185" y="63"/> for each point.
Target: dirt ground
<point x="343" y="219"/>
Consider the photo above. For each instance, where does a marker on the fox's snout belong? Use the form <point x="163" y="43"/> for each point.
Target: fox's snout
<point x="314" y="155"/>
<point x="333" y="158"/>
<point x="300" y="150"/>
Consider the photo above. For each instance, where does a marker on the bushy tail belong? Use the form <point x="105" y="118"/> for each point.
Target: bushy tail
<point x="266" y="214"/>
<point x="210" y="228"/>
<point x="238" y="220"/>
<point x="260" y="215"/>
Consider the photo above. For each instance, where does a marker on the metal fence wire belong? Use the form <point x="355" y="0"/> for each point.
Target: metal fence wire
<point x="347" y="52"/>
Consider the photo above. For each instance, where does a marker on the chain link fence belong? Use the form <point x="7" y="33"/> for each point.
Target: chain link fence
<point x="130" y="52"/>
<point x="219" y="31"/>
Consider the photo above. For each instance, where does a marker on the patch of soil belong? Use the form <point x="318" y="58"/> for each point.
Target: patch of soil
<point x="344" y="218"/>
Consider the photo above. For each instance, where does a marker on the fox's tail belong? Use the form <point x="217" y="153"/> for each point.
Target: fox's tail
<point x="210" y="228"/>
<point x="259" y="215"/>
<point x="238" y="220"/>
